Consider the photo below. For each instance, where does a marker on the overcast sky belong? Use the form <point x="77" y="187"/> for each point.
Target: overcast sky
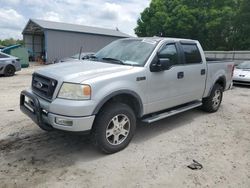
<point x="123" y="14"/>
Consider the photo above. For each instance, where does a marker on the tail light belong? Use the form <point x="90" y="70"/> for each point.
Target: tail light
<point x="233" y="67"/>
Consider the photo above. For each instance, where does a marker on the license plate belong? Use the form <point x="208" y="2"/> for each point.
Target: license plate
<point x="28" y="103"/>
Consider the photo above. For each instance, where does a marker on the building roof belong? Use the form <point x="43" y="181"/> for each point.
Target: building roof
<point x="43" y="24"/>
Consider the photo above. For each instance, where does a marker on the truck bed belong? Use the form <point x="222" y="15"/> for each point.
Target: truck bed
<point x="217" y="68"/>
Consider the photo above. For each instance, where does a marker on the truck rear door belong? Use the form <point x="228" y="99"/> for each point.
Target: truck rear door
<point x="195" y="70"/>
<point x="165" y="88"/>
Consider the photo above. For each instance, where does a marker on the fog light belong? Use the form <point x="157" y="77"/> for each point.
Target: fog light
<point x="62" y="121"/>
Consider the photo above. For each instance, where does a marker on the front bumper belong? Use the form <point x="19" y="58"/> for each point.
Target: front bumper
<point x="241" y="81"/>
<point x="31" y="106"/>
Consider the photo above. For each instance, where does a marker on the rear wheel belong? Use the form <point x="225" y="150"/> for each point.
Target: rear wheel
<point x="9" y="70"/>
<point x="114" y="127"/>
<point x="212" y="103"/>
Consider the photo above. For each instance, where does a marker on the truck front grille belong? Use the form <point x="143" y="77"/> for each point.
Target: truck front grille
<point x="43" y="86"/>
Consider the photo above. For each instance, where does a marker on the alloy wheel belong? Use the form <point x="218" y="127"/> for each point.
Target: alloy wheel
<point x="118" y="129"/>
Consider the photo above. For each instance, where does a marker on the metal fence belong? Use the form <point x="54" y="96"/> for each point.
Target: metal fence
<point x="236" y="56"/>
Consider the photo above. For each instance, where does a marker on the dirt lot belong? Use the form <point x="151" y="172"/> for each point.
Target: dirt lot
<point x="157" y="156"/>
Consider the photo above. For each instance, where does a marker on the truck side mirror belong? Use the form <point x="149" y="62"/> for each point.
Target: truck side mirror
<point x="161" y="63"/>
<point x="165" y="63"/>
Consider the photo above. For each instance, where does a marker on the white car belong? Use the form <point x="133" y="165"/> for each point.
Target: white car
<point x="242" y="73"/>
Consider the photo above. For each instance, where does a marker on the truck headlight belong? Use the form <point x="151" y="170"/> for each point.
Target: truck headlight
<point x="75" y="91"/>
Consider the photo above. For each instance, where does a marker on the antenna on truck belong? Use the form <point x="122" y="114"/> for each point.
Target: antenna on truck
<point x="80" y="53"/>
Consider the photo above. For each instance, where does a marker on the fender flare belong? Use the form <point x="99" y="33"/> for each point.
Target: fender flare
<point x="223" y="78"/>
<point x="124" y="91"/>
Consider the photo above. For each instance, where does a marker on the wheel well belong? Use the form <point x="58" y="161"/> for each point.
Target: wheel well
<point x="222" y="82"/>
<point x="128" y="99"/>
<point x="10" y="65"/>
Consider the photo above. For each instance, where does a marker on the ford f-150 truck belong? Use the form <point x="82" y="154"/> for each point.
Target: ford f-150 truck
<point x="132" y="79"/>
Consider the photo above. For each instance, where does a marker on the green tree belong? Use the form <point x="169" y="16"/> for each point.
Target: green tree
<point x="10" y="41"/>
<point x="209" y="21"/>
<point x="241" y="37"/>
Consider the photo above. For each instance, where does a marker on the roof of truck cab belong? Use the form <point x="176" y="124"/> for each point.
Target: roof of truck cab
<point x="158" y="39"/>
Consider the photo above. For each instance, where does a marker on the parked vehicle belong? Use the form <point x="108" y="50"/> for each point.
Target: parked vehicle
<point x="76" y="57"/>
<point x="18" y="51"/>
<point x="242" y="73"/>
<point x="144" y="79"/>
<point x="9" y="64"/>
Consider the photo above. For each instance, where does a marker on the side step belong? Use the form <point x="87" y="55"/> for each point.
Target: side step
<point x="172" y="112"/>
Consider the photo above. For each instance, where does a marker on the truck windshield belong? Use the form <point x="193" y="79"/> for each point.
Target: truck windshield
<point x="127" y="51"/>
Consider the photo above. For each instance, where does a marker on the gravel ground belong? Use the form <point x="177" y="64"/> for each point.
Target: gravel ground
<point x="157" y="156"/>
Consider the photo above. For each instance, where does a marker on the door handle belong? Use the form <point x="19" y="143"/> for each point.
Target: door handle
<point x="180" y="75"/>
<point x="203" y="71"/>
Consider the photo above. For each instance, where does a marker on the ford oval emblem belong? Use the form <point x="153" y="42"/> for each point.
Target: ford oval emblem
<point x="39" y="85"/>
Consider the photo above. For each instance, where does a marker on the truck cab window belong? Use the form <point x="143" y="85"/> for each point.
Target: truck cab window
<point x="169" y="51"/>
<point x="191" y="53"/>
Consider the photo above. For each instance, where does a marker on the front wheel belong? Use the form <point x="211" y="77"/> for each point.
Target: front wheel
<point x="45" y="127"/>
<point x="212" y="103"/>
<point x="114" y="127"/>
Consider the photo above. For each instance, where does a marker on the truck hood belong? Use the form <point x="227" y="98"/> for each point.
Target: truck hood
<point x="79" y="71"/>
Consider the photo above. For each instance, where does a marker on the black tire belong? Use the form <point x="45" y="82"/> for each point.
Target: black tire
<point x="212" y="103"/>
<point x="9" y="70"/>
<point x="106" y="135"/>
<point x="46" y="127"/>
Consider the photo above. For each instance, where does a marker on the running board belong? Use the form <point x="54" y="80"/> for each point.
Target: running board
<point x="172" y="112"/>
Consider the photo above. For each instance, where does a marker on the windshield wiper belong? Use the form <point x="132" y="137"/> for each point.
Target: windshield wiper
<point x="114" y="60"/>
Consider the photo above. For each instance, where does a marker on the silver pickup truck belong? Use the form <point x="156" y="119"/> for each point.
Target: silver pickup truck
<point x="132" y="79"/>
